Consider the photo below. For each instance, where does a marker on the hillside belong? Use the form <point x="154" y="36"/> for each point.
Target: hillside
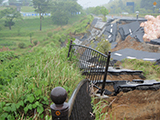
<point x="144" y="6"/>
<point x="29" y="73"/>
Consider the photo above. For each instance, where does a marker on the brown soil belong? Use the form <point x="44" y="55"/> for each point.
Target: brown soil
<point x="81" y="35"/>
<point x="132" y="43"/>
<point x="129" y="42"/>
<point x="133" y="105"/>
<point x="57" y="29"/>
<point x="117" y="77"/>
<point x="4" y="49"/>
<point x="34" y="47"/>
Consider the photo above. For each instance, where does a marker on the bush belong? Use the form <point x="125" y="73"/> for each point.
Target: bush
<point x="49" y="34"/>
<point x="21" y="45"/>
<point x="35" y="42"/>
<point x="103" y="45"/>
<point x="32" y="77"/>
<point x="1" y="27"/>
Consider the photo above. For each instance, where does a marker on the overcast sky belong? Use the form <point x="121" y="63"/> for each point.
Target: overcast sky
<point x="92" y="3"/>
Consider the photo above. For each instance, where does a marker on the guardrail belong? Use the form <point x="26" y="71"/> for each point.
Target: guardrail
<point x="92" y="63"/>
<point x="78" y="107"/>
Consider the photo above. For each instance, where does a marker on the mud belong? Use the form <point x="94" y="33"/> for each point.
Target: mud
<point x="135" y="105"/>
<point x="132" y="43"/>
<point x="129" y="42"/>
<point x="132" y="105"/>
<point x="4" y="49"/>
<point x="128" y="77"/>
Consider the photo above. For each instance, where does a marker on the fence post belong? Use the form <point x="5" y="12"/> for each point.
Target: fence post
<point x="70" y="46"/>
<point x="105" y="75"/>
<point x="60" y="109"/>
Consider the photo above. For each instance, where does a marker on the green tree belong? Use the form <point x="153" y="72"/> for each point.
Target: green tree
<point x="62" y="11"/>
<point x="104" y="11"/>
<point x="10" y="14"/>
<point x="1" y="1"/>
<point x="103" y="45"/>
<point x="41" y="7"/>
<point x="121" y="5"/>
<point x="148" y="4"/>
<point x="99" y="10"/>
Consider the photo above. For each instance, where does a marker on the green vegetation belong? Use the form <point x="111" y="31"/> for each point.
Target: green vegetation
<point x="30" y="79"/>
<point x="119" y="6"/>
<point x="144" y="6"/>
<point x="27" y="9"/>
<point x="26" y="31"/>
<point x="99" y="10"/>
<point x="1" y="1"/>
<point x="2" y="8"/>
<point x="150" y="70"/>
<point x="28" y="75"/>
<point x="36" y="64"/>
<point x="9" y="14"/>
<point x="63" y="10"/>
<point x="99" y="108"/>
<point x="41" y="7"/>
<point x="103" y="45"/>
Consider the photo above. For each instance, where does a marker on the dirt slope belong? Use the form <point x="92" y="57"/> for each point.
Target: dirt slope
<point x="135" y="105"/>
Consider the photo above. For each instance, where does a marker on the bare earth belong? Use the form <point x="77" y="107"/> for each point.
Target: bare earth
<point x="136" y="105"/>
<point x="132" y="105"/>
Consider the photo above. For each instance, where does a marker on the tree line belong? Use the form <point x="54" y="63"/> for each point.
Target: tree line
<point x="144" y="6"/>
<point x="61" y="11"/>
<point x="99" y="10"/>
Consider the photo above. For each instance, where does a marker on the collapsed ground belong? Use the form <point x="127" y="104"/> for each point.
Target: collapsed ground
<point x="132" y="105"/>
<point x="136" y="104"/>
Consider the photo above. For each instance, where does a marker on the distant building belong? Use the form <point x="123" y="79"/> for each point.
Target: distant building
<point x="5" y="3"/>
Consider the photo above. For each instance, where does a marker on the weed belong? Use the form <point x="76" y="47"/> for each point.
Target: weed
<point x="100" y="108"/>
<point x="29" y="78"/>
<point x="150" y="70"/>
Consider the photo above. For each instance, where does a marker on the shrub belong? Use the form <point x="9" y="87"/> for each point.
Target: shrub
<point x="21" y="45"/>
<point x="49" y="34"/>
<point x="103" y="45"/>
<point x="35" y="42"/>
<point x="1" y="27"/>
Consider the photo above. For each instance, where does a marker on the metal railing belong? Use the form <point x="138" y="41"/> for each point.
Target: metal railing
<point x="78" y="107"/>
<point x="92" y="63"/>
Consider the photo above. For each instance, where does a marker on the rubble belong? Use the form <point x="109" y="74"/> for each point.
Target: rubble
<point x="151" y="28"/>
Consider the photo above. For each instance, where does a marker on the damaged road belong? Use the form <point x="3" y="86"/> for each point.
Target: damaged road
<point x="130" y="95"/>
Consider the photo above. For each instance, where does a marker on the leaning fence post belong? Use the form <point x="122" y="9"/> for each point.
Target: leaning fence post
<point x="60" y="109"/>
<point x="70" y="46"/>
<point x="105" y="75"/>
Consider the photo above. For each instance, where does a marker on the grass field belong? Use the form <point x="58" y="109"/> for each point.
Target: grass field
<point x="29" y="74"/>
<point x="26" y="30"/>
<point x="27" y="9"/>
<point x="28" y="77"/>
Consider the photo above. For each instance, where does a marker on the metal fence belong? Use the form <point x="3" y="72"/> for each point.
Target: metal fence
<point x="78" y="107"/>
<point x="94" y="65"/>
<point x="91" y="62"/>
<point x="80" y="103"/>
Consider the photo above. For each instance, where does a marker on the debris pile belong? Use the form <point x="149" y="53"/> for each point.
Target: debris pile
<point x="129" y="42"/>
<point x="151" y="28"/>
